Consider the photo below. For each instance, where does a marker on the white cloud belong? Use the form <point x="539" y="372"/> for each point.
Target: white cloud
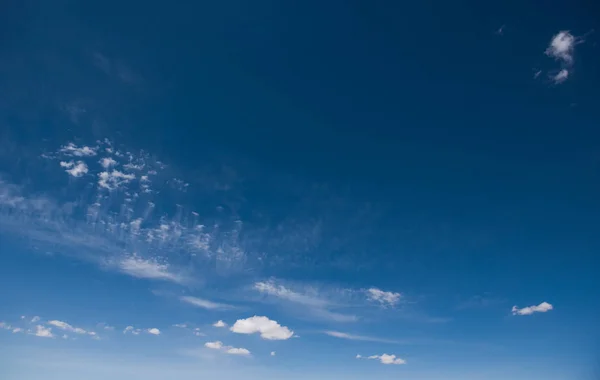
<point x="17" y="330"/>
<point x="131" y="330"/>
<point x="114" y="179"/>
<point x="342" y="335"/>
<point x="218" y="345"/>
<point x="153" y="331"/>
<point x="560" y="77"/>
<point x="268" y="329"/>
<point x="77" y="169"/>
<point x="107" y="162"/>
<point x="150" y="268"/>
<point x="238" y="351"/>
<point x="358" y="356"/>
<point x="43" y="332"/>
<point x="73" y="150"/>
<point x="541" y="308"/>
<point x="180" y="325"/>
<point x="67" y="327"/>
<point x="562" y="46"/>
<point x="280" y="291"/>
<point x="220" y="323"/>
<point x="386" y="359"/>
<point x="214" y="345"/>
<point x="272" y="353"/>
<point x="205" y="304"/>
<point x="35" y="319"/>
<point x="4" y="325"/>
<point x="384" y="298"/>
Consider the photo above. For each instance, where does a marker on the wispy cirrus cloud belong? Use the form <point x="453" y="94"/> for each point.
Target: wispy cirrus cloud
<point x="148" y="268"/>
<point x="205" y="304"/>
<point x="342" y="335"/>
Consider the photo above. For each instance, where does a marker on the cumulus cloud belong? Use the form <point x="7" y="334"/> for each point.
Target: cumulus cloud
<point x="541" y="308"/>
<point x="386" y="359"/>
<point x="107" y="162"/>
<point x="205" y="304"/>
<point x="560" y="77"/>
<point x="562" y="47"/>
<point x="218" y="345"/>
<point x="75" y="169"/>
<point x="73" y="150"/>
<point x="268" y="329"/>
<point x="383" y="298"/>
<point x="43" y="332"/>
<point x="148" y="268"/>
<point x="67" y="327"/>
<point x="342" y="335"/>
<point x="114" y="179"/>
<point x="153" y="331"/>
<point x="220" y="323"/>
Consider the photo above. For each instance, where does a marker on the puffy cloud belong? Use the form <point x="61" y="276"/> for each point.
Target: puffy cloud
<point x="220" y="323"/>
<point x="237" y="351"/>
<point x="43" y="332"/>
<point x="272" y="353"/>
<point x="268" y="329"/>
<point x="67" y="327"/>
<point x="114" y="179"/>
<point x="205" y="304"/>
<point x="386" y="359"/>
<point x="107" y="162"/>
<point x="153" y="331"/>
<point x="73" y="150"/>
<point x="384" y="298"/>
<point x="214" y="345"/>
<point x="562" y="46"/>
<point x="560" y="77"/>
<point x="541" y="308"/>
<point x="358" y="356"/>
<point x="342" y="335"/>
<point x="131" y="330"/>
<point x="77" y="169"/>
<point x="151" y="268"/>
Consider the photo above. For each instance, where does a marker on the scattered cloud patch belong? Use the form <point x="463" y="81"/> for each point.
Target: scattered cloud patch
<point x="205" y="304"/>
<point x="541" y="308"/>
<point x="67" y="327"/>
<point x="132" y="330"/>
<point x="75" y="169"/>
<point x="500" y="30"/>
<point x="73" y="150"/>
<point x="272" y="353"/>
<point x="268" y="329"/>
<point x="114" y="179"/>
<point x="560" y="77"/>
<point x="107" y="162"/>
<point x="238" y="351"/>
<point x="562" y="47"/>
<point x="180" y="325"/>
<point x="43" y="332"/>
<point x="35" y="319"/>
<point x="220" y="323"/>
<point x="387" y="359"/>
<point x="382" y="297"/>
<point x="218" y="345"/>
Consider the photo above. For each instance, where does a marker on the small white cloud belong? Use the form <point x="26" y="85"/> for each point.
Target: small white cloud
<point x="268" y="329"/>
<point x="384" y="298"/>
<point x="17" y="330"/>
<point x="4" y="325"/>
<point x="180" y="325"/>
<point x="114" y="179"/>
<point x="358" y="356"/>
<point x="387" y="359"/>
<point x="107" y="162"/>
<point x="272" y="353"/>
<point x="73" y="150"/>
<point x="500" y="30"/>
<point x="153" y="331"/>
<point x="131" y="330"/>
<point x="214" y="345"/>
<point x="35" y="319"/>
<point x="220" y="323"/>
<point x="238" y="351"/>
<point x="205" y="304"/>
<point x="537" y="74"/>
<point x="67" y="327"/>
<point x="541" y="308"/>
<point x="43" y="332"/>
<point x="562" y="46"/>
<point x="560" y="77"/>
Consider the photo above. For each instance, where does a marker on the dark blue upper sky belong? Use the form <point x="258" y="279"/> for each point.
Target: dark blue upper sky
<point x="404" y="146"/>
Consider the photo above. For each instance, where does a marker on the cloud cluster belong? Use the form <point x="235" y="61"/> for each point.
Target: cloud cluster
<point x="136" y="331"/>
<point x="268" y="329"/>
<point x="382" y="297"/>
<point x="385" y="359"/>
<point x="541" y="308"/>
<point x="218" y="345"/>
<point x="67" y="327"/>
<point x="562" y="49"/>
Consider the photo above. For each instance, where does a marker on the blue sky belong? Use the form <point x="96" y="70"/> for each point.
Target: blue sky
<point x="266" y="190"/>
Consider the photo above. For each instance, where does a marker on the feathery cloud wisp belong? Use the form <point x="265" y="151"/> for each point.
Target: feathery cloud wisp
<point x="205" y="304"/>
<point x="342" y="335"/>
<point x="384" y="298"/>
